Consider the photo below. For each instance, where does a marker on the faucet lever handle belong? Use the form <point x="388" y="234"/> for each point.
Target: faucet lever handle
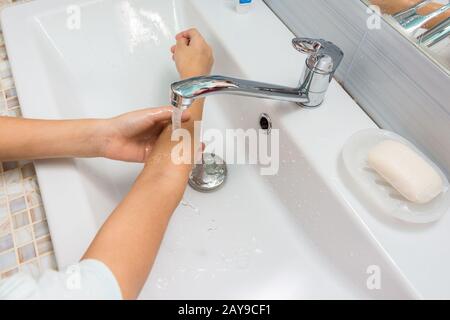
<point x="324" y="56"/>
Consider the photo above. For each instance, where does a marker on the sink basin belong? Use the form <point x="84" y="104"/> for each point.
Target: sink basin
<point x="298" y="234"/>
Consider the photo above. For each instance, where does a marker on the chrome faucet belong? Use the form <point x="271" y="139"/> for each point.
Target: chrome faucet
<point x="323" y="59"/>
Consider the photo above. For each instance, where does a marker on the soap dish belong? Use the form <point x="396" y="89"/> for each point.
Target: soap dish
<point x="379" y="192"/>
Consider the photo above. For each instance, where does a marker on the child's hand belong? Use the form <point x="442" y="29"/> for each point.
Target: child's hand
<point x="192" y="55"/>
<point x="130" y="137"/>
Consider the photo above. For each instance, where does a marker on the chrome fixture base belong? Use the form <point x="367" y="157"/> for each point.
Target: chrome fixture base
<point x="301" y="104"/>
<point x="210" y="175"/>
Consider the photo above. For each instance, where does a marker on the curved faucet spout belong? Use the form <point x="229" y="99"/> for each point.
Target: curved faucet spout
<point x="323" y="59"/>
<point x="186" y="91"/>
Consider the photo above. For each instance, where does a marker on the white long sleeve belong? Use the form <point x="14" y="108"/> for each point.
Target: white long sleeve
<point x="87" y="280"/>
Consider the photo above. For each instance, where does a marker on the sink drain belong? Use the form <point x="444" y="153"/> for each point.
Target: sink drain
<point x="208" y="175"/>
<point x="265" y="122"/>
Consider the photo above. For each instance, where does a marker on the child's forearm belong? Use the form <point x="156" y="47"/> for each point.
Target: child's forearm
<point x="22" y="139"/>
<point x="431" y="8"/>
<point x="129" y="240"/>
<point x="395" y="6"/>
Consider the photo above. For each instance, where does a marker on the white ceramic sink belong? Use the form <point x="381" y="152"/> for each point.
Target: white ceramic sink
<point x="299" y="234"/>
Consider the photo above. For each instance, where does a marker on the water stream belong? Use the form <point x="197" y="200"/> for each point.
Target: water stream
<point x="176" y="118"/>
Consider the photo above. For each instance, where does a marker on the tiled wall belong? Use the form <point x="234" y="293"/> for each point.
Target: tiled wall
<point x="398" y="86"/>
<point x="25" y="242"/>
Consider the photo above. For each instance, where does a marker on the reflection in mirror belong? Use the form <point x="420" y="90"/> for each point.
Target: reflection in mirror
<point x="425" y="22"/>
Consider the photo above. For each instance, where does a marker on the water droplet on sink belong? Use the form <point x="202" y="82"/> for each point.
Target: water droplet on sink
<point x="187" y="203"/>
<point x="213" y="226"/>
<point x="162" y="283"/>
<point x="242" y="259"/>
<point x="258" y="251"/>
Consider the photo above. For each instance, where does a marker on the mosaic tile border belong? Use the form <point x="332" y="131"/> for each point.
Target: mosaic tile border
<point x="25" y="242"/>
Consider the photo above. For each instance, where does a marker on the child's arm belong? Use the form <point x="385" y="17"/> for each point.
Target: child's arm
<point x="129" y="240"/>
<point x="128" y="137"/>
<point x="37" y="139"/>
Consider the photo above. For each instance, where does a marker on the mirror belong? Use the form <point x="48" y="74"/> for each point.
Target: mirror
<point x="424" y="22"/>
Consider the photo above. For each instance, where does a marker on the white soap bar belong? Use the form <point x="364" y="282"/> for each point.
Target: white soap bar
<point x="411" y="175"/>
